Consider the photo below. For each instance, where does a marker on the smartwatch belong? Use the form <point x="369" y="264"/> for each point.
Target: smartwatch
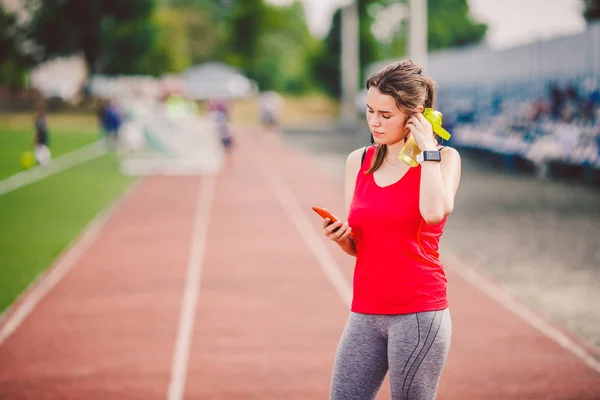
<point x="429" y="156"/>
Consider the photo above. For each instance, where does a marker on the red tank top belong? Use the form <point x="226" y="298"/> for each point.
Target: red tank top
<point x="398" y="270"/>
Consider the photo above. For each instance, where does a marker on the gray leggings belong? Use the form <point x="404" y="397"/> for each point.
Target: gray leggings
<point x="413" y="347"/>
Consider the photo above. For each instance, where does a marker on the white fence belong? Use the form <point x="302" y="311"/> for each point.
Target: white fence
<point x="556" y="59"/>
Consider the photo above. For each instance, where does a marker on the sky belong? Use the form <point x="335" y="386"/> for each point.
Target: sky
<point x="510" y="22"/>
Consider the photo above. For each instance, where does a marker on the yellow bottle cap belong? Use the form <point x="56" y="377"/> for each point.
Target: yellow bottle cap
<point x="435" y="119"/>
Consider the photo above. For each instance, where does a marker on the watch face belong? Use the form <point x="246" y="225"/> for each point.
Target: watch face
<point x="432" y="156"/>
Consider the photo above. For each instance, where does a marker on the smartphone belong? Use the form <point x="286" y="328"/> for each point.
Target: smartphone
<point x="326" y="214"/>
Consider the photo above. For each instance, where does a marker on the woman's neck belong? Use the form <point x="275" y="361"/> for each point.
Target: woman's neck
<point x="392" y="152"/>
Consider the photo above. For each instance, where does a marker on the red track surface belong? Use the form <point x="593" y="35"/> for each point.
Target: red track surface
<point x="267" y="320"/>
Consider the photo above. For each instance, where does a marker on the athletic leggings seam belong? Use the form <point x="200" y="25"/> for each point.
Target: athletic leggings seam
<point x="418" y="343"/>
<point x="423" y="359"/>
<point x="420" y="351"/>
<point x="373" y="345"/>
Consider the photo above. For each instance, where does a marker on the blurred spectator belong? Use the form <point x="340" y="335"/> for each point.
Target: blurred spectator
<point x="219" y="105"/>
<point x="41" y="139"/>
<point x="538" y="109"/>
<point x="496" y="102"/>
<point x="568" y="136"/>
<point x="269" y="108"/>
<point x="556" y="100"/>
<point x="552" y="134"/>
<point x="591" y="100"/>
<point x="110" y="121"/>
<point x="219" y="113"/>
<point x="571" y="107"/>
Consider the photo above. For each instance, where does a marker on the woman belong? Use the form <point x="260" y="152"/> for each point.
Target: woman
<point x="399" y="320"/>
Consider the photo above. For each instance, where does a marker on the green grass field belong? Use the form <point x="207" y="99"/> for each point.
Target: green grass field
<point x="39" y="220"/>
<point x="67" y="132"/>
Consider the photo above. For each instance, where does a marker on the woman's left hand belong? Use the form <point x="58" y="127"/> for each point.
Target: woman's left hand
<point x="422" y="131"/>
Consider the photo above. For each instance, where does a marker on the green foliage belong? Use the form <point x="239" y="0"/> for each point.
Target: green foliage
<point x="207" y="24"/>
<point x="171" y="47"/>
<point x="204" y="35"/>
<point x="368" y="46"/>
<point x="287" y="40"/>
<point x="127" y="48"/>
<point x="591" y="10"/>
<point x="449" y="25"/>
<point x="327" y="63"/>
<point x="272" y="45"/>
<point x="246" y="27"/>
<point x="130" y="37"/>
<point x="113" y="35"/>
<point x="13" y="61"/>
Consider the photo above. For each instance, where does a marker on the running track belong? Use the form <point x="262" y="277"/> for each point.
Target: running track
<point x="223" y="288"/>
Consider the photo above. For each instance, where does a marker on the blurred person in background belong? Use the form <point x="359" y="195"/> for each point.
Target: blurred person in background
<point x="100" y="115"/>
<point x="399" y="321"/>
<point x="591" y="100"/>
<point x="557" y="98"/>
<point x="269" y="108"/>
<point x="110" y="122"/>
<point x="219" y="113"/>
<point x="41" y="137"/>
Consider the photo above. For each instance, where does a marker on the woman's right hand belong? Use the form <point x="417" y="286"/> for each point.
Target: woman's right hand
<point x="338" y="232"/>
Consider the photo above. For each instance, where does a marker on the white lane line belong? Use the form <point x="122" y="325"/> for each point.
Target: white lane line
<point x="507" y="300"/>
<point x="58" y="164"/>
<point x="14" y="316"/>
<point x="192" y="287"/>
<point x="289" y="202"/>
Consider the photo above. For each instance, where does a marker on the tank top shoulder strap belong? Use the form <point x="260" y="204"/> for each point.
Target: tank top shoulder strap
<point x="367" y="156"/>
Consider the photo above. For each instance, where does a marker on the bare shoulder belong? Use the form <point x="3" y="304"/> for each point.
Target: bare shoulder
<point x="356" y="154"/>
<point x="354" y="159"/>
<point x="450" y="154"/>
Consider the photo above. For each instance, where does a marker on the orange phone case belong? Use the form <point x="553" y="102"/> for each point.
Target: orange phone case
<point x="326" y="214"/>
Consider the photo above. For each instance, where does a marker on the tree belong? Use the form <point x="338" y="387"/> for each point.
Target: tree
<point x="591" y="10"/>
<point x="14" y="62"/>
<point x="206" y="23"/>
<point x="284" y="50"/>
<point x="112" y="35"/>
<point x="449" y="25"/>
<point x="170" y="52"/>
<point x="271" y="44"/>
<point x="327" y="63"/>
<point x="246" y="26"/>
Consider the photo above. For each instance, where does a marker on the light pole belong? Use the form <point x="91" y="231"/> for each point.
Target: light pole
<point x="417" y="32"/>
<point x="350" y="64"/>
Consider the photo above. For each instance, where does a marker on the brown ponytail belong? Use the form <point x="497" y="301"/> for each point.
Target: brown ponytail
<point x="430" y="99"/>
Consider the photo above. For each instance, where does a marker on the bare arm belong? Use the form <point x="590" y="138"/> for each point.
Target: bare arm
<point x="352" y="167"/>
<point x="341" y="236"/>
<point x="439" y="184"/>
<point x="439" y="180"/>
